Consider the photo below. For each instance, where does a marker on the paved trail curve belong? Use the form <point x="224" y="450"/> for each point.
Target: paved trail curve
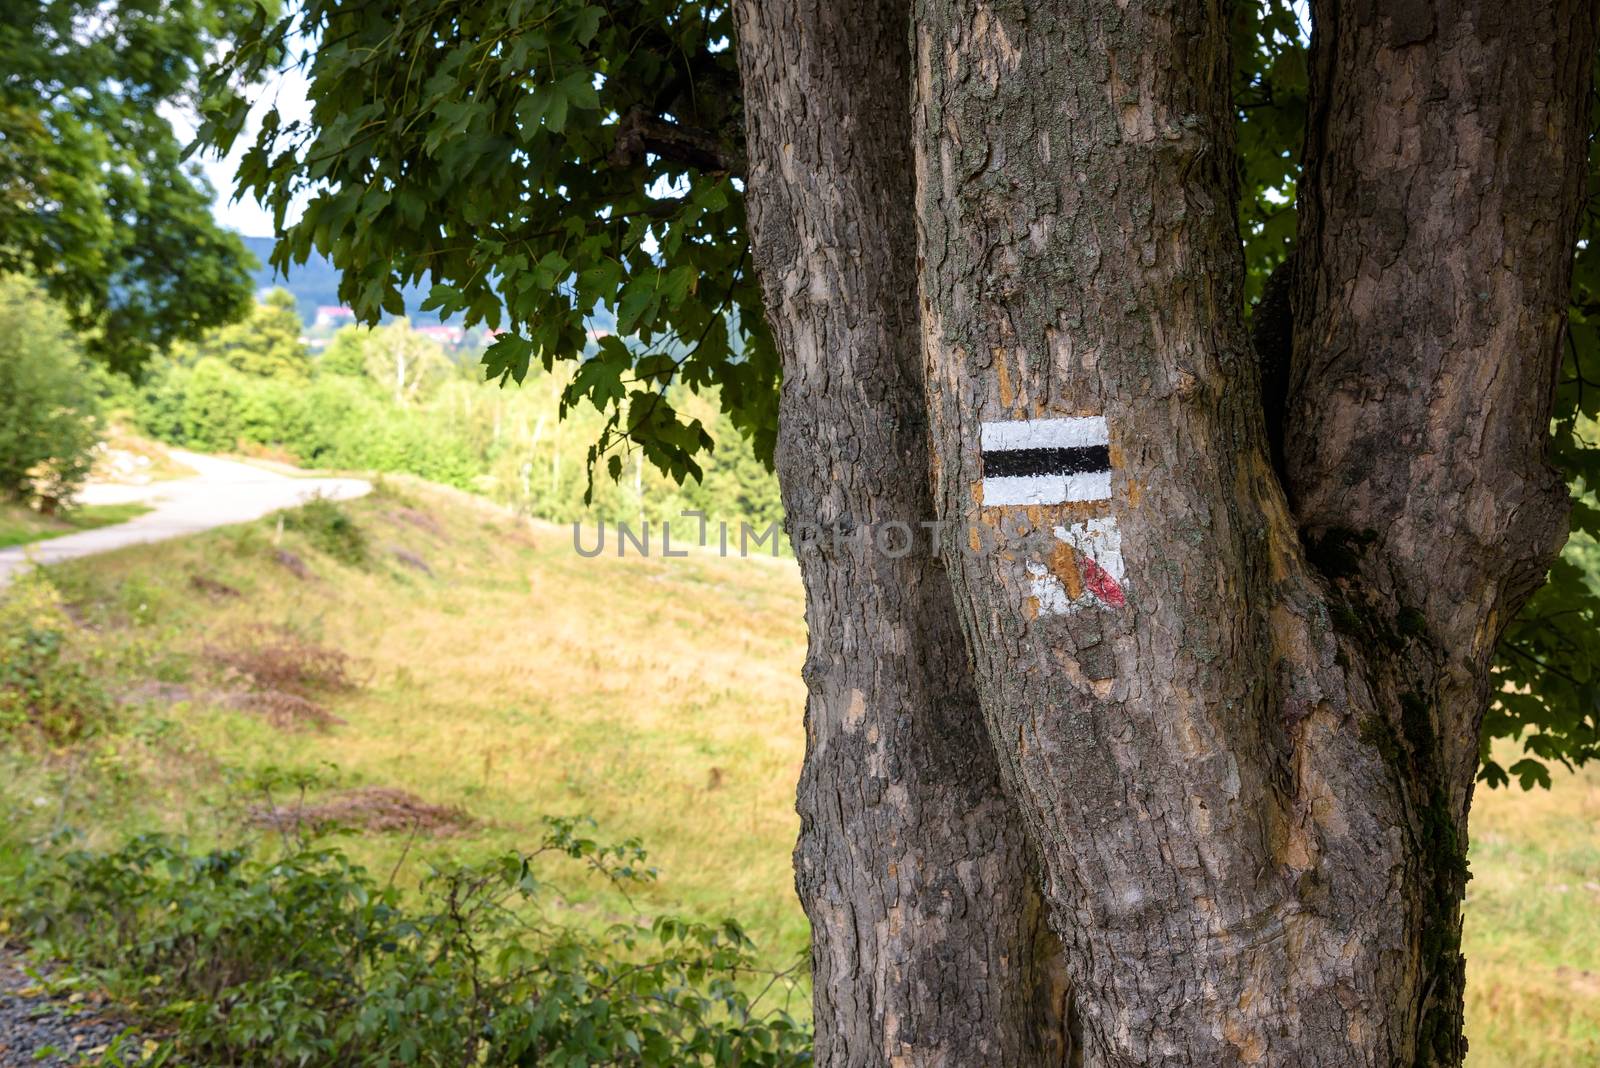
<point x="221" y="492"/>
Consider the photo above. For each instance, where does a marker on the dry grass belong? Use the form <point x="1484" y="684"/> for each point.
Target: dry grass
<point x="211" y="587"/>
<point x="285" y="675"/>
<point x="416" y="518"/>
<point x="125" y="457"/>
<point x="274" y="657"/>
<point x="660" y="697"/>
<point x="285" y="711"/>
<point x="1533" y="926"/>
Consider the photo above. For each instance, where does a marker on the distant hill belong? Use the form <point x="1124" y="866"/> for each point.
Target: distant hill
<point x="315" y="283"/>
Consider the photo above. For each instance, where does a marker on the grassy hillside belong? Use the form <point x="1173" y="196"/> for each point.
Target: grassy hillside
<point x="1532" y="940"/>
<point x="495" y="672"/>
<point x="517" y="680"/>
<point x="20" y="524"/>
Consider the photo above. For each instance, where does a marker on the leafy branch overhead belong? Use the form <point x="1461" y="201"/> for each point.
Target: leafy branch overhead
<point x="564" y="171"/>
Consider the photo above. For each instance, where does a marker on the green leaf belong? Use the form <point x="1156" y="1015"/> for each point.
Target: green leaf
<point x="445" y="299"/>
<point x="555" y="115"/>
<point x="578" y="88"/>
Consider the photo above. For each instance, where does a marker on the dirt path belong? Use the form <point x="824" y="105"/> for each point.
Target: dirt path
<point x="222" y="492"/>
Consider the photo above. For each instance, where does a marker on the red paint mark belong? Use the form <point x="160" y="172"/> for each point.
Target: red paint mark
<point x="1102" y="585"/>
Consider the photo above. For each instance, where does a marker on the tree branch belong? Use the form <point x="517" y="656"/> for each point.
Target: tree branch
<point x="639" y="132"/>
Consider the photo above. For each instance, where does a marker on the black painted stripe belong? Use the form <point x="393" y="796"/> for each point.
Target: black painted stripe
<point x="1013" y="463"/>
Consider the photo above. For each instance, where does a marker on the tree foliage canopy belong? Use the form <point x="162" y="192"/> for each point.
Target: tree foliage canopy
<point x="49" y="414"/>
<point x="95" y="198"/>
<point x="266" y="342"/>
<point x="541" y="160"/>
<point x="406" y="363"/>
<point x="536" y="161"/>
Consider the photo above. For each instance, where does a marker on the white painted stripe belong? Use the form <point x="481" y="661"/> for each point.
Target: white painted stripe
<point x="1101" y="541"/>
<point x="1047" y="590"/>
<point x="1044" y="433"/>
<point x="1046" y="489"/>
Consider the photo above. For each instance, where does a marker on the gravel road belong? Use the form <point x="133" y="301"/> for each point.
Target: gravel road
<point x="37" y="1028"/>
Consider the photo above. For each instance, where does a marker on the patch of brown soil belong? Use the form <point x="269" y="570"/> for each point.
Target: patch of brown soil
<point x="285" y="711"/>
<point x="416" y="518"/>
<point x="282" y="675"/>
<point x="378" y="809"/>
<point x="212" y="588"/>
<point x="410" y="559"/>
<point x="276" y="658"/>
<point x="289" y="560"/>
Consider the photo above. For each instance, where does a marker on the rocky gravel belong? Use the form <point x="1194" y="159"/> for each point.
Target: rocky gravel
<point x="38" y="1028"/>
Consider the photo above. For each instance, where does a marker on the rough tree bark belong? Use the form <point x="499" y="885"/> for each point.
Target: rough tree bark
<point x="929" y="946"/>
<point x="1244" y="758"/>
<point x="1444" y="166"/>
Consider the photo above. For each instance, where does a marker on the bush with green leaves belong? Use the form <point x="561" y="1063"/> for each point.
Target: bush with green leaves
<point x="330" y="529"/>
<point x="335" y="421"/>
<point x="265" y="343"/>
<point x="49" y="408"/>
<point x="45" y="685"/>
<point x="294" y="955"/>
<point x="407" y="364"/>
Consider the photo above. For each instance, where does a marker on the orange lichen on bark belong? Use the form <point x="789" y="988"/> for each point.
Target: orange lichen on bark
<point x="1003" y="375"/>
<point x="1063" y="564"/>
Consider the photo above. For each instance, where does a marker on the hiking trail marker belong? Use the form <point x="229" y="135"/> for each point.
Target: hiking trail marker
<point x="1059" y="461"/>
<point x="1045" y="461"/>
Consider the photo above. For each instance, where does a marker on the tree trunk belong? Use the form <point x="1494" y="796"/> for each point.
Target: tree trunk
<point x="1245" y="761"/>
<point x="1443" y="171"/>
<point x="929" y="946"/>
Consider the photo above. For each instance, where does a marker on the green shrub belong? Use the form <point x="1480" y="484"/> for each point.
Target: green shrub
<point x="49" y="407"/>
<point x="198" y="406"/>
<point x="330" y="529"/>
<point x="297" y="956"/>
<point x="44" y="684"/>
<point x="525" y="447"/>
<point x="265" y="343"/>
<point x="336" y="421"/>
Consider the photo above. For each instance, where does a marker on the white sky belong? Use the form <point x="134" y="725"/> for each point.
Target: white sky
<point x="288" y="92"/>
